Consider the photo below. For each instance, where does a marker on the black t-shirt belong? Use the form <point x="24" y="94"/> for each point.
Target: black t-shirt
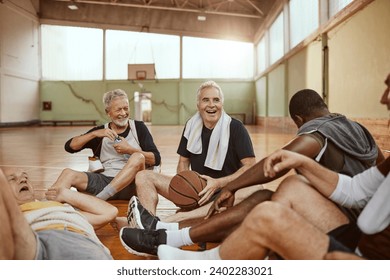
<point x="240" y="147"/>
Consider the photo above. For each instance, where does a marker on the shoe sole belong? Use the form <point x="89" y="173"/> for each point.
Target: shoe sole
<point x="131" y="250"/>
<point x="135" y="220"/>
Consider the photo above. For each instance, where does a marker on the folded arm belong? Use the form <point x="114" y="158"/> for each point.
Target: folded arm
<point x="321" y="178"/>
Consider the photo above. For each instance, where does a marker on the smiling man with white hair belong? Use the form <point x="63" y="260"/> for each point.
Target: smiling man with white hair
<point x="209" y="128"/>
<point x="124" y="147"/>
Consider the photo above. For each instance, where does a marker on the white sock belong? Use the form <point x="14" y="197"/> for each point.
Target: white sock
<point x="178" y="238"/>
<point x="166" y="252"/>
<point x="107" y="192"/>
<point x="168" y="226"/>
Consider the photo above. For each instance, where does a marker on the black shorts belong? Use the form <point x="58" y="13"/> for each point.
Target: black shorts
<point x="348" y="235"/>
<point x="97" y="182"/>
<point x="335" y="245"/>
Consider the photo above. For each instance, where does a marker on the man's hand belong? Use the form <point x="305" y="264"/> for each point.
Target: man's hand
<point x="211" y="187"/>
<point x="78" y="142"/>
<point x="105" y="132"/>
<point x="224" y="200"/>
<point x="281" y="160"/>
<point x="322" y="179"/>
<point x="123" y="147"/>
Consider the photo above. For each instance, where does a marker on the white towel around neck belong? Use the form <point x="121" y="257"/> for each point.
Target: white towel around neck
<point x="219" y="140"/>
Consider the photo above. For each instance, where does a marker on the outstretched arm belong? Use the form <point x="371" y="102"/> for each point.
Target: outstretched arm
<point x="214" y="185"/>
<point x="303" y="144"/>
<point x="98" y="212"/>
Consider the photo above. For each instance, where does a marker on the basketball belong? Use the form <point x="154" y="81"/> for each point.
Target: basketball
<point x="184" y="189"/>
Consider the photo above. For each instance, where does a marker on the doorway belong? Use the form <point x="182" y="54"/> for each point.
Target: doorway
<point x="143" y="106"/>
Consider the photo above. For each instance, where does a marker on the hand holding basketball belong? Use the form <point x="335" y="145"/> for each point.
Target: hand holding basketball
<point x="184" y="189"/>
<point x="211" y="188"/>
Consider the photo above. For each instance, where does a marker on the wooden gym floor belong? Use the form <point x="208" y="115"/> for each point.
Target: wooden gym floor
<point x="40" y="151"/>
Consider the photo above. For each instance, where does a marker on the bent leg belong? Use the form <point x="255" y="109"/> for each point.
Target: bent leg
<point x="181" y="216"/>
<point x="15" y="231"/>
<point x="148" y="185"/>
<point x="295" y="192"/>
<point x="273" y="226"/>
<point x="219" y="226"/>
<point x="71" y="178"/>
<point x="127" y="175"/>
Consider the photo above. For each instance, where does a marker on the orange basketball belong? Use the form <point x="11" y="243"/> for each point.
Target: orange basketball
<point x="184" y="189"/>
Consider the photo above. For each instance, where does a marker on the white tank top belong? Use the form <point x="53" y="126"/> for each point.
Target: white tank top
<point x="112" y="161"/>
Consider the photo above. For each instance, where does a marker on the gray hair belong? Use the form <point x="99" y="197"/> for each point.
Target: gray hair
<point x="209" y="84"/>
<point x="111" y="95"/>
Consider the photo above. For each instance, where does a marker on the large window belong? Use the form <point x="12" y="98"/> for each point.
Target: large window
<point x="210" y="58"/>
<point x="304" y="19"/>
<point x="124" y="47"/>
<point x="72" y="53"/>
<point x="337" y="5"/>
<point x="276" y="39"/>
<point x="261" y="56"/>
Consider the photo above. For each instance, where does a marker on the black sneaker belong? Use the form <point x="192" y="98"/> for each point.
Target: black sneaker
<point x="139" y="217"/>
<point x="142" y="242"/>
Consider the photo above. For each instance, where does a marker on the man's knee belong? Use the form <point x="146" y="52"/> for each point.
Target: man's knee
<point x="70" y="177"/>
<point x="266" y="216"/>
<point x="136" y="161"/>
<point x="69" y="173"/>
<point x="144" y="177"/>
<point x="292" y="186"/>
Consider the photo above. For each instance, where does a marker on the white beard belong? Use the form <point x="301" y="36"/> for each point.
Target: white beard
<point x="120" y="123"/>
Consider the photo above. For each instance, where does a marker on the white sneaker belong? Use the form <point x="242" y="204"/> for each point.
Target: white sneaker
<point x="139" y="217"/>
